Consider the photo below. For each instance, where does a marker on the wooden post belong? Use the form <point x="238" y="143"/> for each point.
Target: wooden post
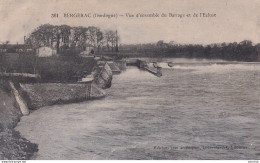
<point x="88" y="91"/>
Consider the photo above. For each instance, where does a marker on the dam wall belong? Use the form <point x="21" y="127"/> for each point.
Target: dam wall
<point x="104" y="76"/>
<point x="31" y="96"/>
<point x="114" y="68"/>
<point x="43" y="94"/>
<point x="121" y="64"/>
<point x="20" y="101"/>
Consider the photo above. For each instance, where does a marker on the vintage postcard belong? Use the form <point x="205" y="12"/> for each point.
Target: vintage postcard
<point x="129" y="80"/>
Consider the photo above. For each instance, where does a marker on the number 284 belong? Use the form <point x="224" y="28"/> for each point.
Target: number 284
<point x="55" y="15"/>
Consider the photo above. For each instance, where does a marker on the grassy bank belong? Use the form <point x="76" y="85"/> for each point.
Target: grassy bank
<point x="51" y="69"/>
<point x="12" y="145"/>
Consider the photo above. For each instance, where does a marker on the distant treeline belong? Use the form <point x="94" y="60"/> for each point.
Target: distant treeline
<point x="243" y="51"/>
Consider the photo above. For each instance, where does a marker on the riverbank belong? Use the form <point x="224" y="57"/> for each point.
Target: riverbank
<point x="12" y="145"/>
<point x="36" y="95"/>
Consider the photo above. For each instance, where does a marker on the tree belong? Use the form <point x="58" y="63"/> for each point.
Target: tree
<point x="100" y="39"/>
<point x="111" y="39"/>
<point x="65" y="38"/>
<point x="80" y="37"/>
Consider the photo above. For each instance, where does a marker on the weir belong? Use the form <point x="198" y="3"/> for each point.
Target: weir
<point x="158" y="72"/>
<point x="141" y="64"/>
<point x="114" y="68"/>
<point x="104" y="76"/>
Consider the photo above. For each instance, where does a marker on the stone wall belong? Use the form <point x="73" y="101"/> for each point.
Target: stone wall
<point x="43" y="94"/>
<point x="104" y="76"/>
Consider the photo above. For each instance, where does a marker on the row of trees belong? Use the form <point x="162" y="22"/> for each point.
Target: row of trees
<point x="243" y="51"/>
<point x="65" y="37"/>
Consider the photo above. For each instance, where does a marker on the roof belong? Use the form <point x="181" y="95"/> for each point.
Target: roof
<point x="47" y="47"/>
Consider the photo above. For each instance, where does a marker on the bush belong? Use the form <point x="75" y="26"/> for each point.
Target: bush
<point x="19" y="63"/>
<point x="51" y="69"/>
<point x="64" y="69"/>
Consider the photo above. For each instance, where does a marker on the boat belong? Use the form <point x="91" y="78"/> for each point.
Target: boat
<point x="170" y="64"/>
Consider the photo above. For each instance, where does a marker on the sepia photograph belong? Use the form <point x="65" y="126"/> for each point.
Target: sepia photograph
<point x="129" y="80"/>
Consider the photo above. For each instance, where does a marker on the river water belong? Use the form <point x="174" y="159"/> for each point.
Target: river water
<point x="196" y="110"/>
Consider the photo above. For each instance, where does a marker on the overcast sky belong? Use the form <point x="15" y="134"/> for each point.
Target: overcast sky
<point x="235" y="20"/>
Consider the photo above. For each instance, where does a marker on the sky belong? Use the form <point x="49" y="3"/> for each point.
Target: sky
<point x="235" y="20"/>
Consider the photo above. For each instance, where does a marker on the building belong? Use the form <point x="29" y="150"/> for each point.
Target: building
<point x="89" y="50"/>
<point x="23" y="48"/>
<point x="15" y="48"/>
<point x="46" y="51"/>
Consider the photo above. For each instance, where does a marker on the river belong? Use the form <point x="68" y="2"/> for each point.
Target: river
<point x="197" y="110"/>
